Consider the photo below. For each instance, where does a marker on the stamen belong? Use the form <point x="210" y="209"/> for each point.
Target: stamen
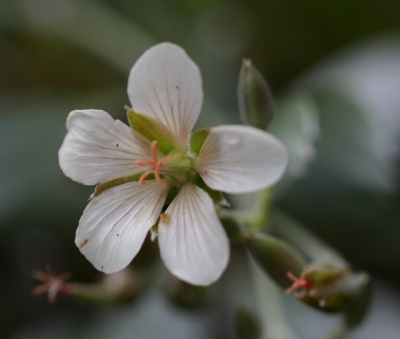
<point x="298" y="283"/>
<point x="52" y="284"/>
<point x="156" y="165"/>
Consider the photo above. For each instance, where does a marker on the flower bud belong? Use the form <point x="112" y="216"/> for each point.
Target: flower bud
<point x="274" y="256"/>
<point x="256" y="104"/>
<point x="332" y="287"/>
<point x="246" y="324"/>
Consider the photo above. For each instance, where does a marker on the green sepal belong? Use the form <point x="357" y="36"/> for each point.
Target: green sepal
<point x="197" y="140"/>
<point x="325" y="274"/>
<point x="149" y="130"/>
<point x="274" y="256"/>
<point x="172" y="193"/>
<point x="100" y="188"/>
<point x="256" y="104"/>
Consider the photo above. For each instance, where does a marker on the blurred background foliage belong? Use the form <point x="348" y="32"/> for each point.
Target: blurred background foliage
<point x="334" y="67"/>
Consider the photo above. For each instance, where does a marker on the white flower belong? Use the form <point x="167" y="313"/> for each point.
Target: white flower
<point x="136" y="180"/>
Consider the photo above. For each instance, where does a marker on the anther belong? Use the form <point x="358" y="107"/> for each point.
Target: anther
<point x="156" y="165"/>
<point x="51" y="283"/>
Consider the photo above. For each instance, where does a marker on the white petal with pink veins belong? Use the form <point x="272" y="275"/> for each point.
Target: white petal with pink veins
<point x="240" y="159"/>
<point x="193" y="244"/>
<point x="114" y="225"/>
<point x="165" y="85"/>
<point x="98" y="148"/>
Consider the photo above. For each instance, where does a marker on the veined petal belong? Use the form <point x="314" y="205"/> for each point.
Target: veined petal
<point x="193" y="244"/>
<point x="240" y="159"/>
<point x="98" y="148"/>
<point x="165" y="85"/>
<point x="114" y="225"/>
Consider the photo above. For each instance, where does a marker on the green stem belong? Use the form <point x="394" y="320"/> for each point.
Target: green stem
<point x="269" y="297"/>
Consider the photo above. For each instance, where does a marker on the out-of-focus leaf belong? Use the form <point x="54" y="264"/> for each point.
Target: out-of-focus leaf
<point x="296" y="124"/>
<point x="351" y="192"/>
<point x="346" y="149"/>
<point x="32" y="186"/>
<point x="358" y="93"/>
<point x="91" y="25"/>
<point x="153" y="317"/>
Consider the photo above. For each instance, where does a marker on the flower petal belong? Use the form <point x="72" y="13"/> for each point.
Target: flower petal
<point x="240" y="159"/>
<point x="98" y="148"/>
<point x="165" y="85"/>
<point x="114" y="225"/>
<point x="193" y="244"/>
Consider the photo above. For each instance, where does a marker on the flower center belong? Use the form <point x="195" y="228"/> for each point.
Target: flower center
<point x="156" y="165"/>
<point x="176" y="168"/>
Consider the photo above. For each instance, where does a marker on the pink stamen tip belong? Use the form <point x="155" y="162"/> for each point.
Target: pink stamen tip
<point x="298" y="283"/>
<point x="51" y="284"/>
<point x="156" y="165"/>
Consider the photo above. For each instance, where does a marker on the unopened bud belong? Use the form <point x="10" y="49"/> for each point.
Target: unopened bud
<point x="330" y="287"/>
<point x="275" y="256"/>
<point x="256" y="104"/>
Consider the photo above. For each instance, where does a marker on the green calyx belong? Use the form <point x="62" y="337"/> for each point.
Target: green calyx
<point x="197" y="140"/>
<point x="100" y="188"/>
<point x="174" y="167"/>
<point x="178" y="169"/>
<point x="149" y="130"/>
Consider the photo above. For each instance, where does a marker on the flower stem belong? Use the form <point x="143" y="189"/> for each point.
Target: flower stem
<point x="269" y="297"/>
